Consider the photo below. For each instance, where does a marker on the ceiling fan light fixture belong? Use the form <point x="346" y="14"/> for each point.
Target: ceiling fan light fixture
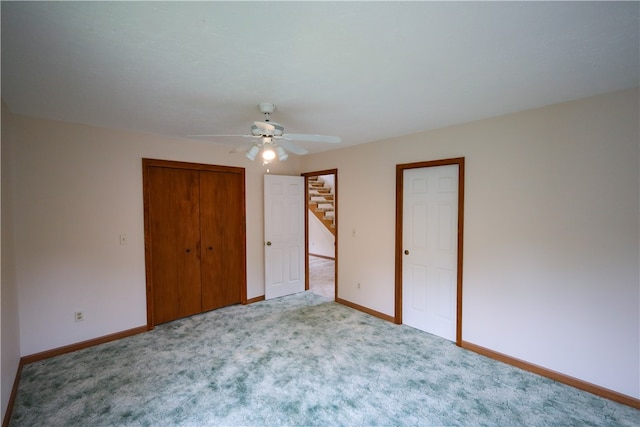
<point x="282" y="154"/>
<point x="267" y="151"/>
<point x="253" y="152"/>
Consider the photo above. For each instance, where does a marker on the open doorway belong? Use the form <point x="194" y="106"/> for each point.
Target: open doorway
<point x="321" y="230"/>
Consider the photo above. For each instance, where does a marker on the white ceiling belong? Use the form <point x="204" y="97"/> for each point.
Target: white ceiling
<point x="363" y="71"/>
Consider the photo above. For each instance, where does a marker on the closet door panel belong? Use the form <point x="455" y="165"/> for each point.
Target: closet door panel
<point x="174" y="201"/>
<point x="222" y="233"/>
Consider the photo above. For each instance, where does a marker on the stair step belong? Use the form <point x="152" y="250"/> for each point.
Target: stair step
<point x="325" y="207"/>
<point x="319" y="199"/>
<point x="329" y="215"/>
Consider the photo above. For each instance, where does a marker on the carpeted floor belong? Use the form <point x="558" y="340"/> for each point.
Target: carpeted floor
<point x="322" y="276"/>
<point x="300" y="360"/>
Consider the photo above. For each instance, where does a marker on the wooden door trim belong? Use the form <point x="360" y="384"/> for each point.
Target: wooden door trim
<point x="399" y="229"/>
<point x="306" y="176"/>
<point x="192" y="166"/>
<point x="156" y="163"/>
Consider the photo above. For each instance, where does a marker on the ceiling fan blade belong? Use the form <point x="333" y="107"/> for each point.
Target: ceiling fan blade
<point x="289" y="146"/>
<point x="242" y="148"/>
<point x="312" y="138"/>
<point x="221" y="136"/>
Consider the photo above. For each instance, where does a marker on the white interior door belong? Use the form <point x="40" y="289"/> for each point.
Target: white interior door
<point x="284" y="212"/>
<point x="430" y="240"/>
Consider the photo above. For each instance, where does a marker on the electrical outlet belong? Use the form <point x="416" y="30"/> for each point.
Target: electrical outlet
<point x="79" y="316"/>
<point x="123" y="239"/>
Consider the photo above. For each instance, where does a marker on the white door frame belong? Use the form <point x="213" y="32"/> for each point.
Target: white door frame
<point x="399" y="228"/>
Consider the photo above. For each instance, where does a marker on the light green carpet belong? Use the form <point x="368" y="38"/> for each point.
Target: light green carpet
<point x="322" y="277"/>
<point x="297" y="360"/>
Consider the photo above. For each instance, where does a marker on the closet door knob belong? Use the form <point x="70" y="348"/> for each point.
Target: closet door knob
<point x="406" y="251"/>
<point x="188" y="250"/>
<point x="268" y="243"/>
<point x="210" y="248"/>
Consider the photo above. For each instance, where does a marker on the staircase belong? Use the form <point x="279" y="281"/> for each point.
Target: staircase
<point x="321" y="203"/>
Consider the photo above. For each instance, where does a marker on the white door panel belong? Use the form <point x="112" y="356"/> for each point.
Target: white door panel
<point x="430" y="222"/>
<point x="284" y="235"/>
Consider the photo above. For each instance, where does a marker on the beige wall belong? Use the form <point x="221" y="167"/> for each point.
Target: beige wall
<point x="321" y="241"/>
<point x="10" y="335"/>
<point x="551" y="271"/>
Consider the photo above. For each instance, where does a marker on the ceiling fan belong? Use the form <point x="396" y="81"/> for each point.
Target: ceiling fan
<point x="269" y="138"/>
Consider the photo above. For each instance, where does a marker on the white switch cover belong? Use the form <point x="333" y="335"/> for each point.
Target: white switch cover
<point x="123" y="239"/>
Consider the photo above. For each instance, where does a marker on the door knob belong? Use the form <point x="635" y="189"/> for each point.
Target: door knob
<point x="268" y="243"/>
<point x="188" y="250"/>
<point x="406" y="251"/>
<point x="210" y="248"/>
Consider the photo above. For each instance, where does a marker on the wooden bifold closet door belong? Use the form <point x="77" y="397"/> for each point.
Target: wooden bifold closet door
<point x="195" y="250"/>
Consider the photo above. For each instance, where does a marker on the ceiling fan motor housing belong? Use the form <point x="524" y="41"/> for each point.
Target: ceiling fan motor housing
<point x="267" y="129"/>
